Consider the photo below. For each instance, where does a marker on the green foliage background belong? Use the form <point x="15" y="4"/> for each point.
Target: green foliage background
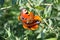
<point x="11" y="28"/>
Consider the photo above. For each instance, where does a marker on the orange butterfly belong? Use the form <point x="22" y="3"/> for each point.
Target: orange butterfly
<point x="29" y="20"/>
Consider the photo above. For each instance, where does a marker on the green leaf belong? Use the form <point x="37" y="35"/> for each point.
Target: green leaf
<point x="39" y="8"/>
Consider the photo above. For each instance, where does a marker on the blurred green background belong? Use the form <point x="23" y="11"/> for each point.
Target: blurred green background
<point x="11" y="28"/>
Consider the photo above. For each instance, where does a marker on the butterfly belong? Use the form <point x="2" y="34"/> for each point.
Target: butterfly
<point x="29" y="20"/>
